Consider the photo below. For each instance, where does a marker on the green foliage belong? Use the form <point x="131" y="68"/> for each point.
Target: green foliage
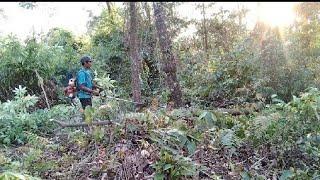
<point x="16" y="176"/>
<point x="174" y="167"/>
<point x="175" y="23"/>
<point x="19" y="63"/>
<point x="235" y="67"/>
<point x="88" y="114"/>
<point x="221" y="80"/>
<point x="80" y="138"/>
<point x="291" y="125"/>
<point x="106" y="83"/>
<point x="206" y="120"/>
<point x="269" y="61"/>
<point x="98" y="134"/>
<point x="108" y="47"/>
<point x="176" y="140"/>
<point x="17" y="119"/>
<point x="65" y="40"/>
<point x="229" y="140"/>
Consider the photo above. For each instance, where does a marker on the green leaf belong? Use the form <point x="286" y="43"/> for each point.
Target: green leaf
<point x="167" y="166"/>
<point x="209" y="118"/>
<point x="245" y="176"/>
<point x="191" y="147"/>
<point x="7" y="140"/>
<point x="16" y="176"/>
<point x="159" y="176"/>
<point x="286" y="174"/>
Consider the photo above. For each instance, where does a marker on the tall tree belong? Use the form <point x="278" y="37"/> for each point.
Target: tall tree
<point x="168" y="62"/>
<point x="305" y="37"/>
<point x="134" y="55"/>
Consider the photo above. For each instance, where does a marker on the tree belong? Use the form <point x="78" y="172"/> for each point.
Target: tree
<point x="168" y="63"/>
<point x="272" y="57"/>
<point x="218" y="32"/>
<point x="205" y="31"/>
<point x="109" y="4"/>
<point x="134" y="55"/>
<point x="109" y="46"/>
<point x="305" y="33"/>
<point x="66" y="41"/>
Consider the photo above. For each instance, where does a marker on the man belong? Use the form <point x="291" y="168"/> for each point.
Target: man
<point x="85" y="83"/>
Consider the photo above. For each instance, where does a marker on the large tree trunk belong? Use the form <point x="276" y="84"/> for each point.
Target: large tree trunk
<point x="134" y="55"/>
<point x="168" y="63"/>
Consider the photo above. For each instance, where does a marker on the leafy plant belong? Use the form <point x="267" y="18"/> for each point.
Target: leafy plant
<point x="106" y="83"/>
<point x="15" y="118"/>
<point x="16" y="176"/>
<point x="206" y="120"/>
<point x="174" y="140"/>
<point x="174" y="167"/>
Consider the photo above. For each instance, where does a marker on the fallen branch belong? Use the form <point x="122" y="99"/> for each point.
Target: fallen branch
<point x="255" y="107"/>
<point x="95" y="123"/>
<point x="235" y="112"/>
<point x="40" y="83"/>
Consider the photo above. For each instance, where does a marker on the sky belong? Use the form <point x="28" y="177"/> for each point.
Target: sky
<point x="74" y="16"/>
<point x="69" y="15"/>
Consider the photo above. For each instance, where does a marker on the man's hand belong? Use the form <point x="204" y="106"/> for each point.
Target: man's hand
<point x="96" y="92"/>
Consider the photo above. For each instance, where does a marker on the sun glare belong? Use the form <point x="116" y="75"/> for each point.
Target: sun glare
<point x="276" y="13"/>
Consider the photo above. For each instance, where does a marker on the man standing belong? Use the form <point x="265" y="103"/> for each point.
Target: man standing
<point x="85" y="83"/>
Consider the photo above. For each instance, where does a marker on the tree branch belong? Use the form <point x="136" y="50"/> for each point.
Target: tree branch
<point x="96" y="123"/>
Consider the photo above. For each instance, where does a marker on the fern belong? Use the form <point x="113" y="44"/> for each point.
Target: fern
<point x="229" y="140"/>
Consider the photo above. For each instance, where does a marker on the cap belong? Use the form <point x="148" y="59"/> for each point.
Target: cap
<point x="85" y="59"/>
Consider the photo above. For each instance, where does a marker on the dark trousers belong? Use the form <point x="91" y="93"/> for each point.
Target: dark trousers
<point x="85" y="102"/>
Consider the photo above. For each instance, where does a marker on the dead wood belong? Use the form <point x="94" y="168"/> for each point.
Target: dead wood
<point x="95" y="123"/>
<point x="255" y="107"/>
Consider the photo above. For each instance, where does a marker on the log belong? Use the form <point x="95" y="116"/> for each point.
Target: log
<point x="95" y="123"/>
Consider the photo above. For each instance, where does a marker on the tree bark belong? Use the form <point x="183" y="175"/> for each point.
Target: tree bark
<point x="168" y="63"/>
<point x="109" y="6"/>
<point x="134" y="55"/>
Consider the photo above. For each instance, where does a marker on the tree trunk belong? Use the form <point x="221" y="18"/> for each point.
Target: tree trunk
<point x="109" y="7"/>
<point x="168" y="63"/>
<point x="134" y="55"/>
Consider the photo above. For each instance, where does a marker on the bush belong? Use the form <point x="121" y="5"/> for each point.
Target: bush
<point x="16" y="119"/>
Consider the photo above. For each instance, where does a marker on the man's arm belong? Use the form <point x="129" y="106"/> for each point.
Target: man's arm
<point x="82" y="81"/>
<point x="85" y="89"/>
<point x="95" y="86"/>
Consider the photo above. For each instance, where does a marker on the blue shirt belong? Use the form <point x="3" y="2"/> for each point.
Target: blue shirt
<point x="84" y="77"/>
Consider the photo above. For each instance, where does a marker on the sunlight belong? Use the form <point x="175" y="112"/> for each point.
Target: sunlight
<point x="276" y="14"/>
